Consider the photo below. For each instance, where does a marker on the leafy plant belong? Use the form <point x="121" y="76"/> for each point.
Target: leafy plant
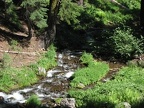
<point x="37" y="11"/>
<point x="14" y="45"/>
<point x="125" y="43"/>
<point x="33" y="102"/>
<point x="48" y="60"/>
<point x="87" y="75"/>
<point x="11" y="78"/>
<point x="73" y="11"/>
<point x="11" y="12"/>
<point x="6" y="61"/>
<point x="86" y="58"/>
<point x="6" y="80"/>
<point x="126" y="87"/>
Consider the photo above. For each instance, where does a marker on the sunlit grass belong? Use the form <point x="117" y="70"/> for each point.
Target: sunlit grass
<point x="13" y="78"/>
<point x="126" y="87"/>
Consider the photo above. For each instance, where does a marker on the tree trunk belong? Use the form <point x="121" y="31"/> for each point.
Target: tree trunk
<point x="28" y="22"/>
<point x="142" y="15"/>
<point x="52" y="19"/>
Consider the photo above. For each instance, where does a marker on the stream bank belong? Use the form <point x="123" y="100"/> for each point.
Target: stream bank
<point x="54" y="85"/>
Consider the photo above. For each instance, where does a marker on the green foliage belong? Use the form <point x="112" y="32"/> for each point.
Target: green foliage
<point x="37" y="10"/>
<point x="126" y="87"/>
<point x="58" y="100"/>
<point x="69" y="11"/>
<point x="14" y="45"/>
<point x="91" y="74"/>
<point x="25" y="77"/>
<point x="11" y="78"/>
<point x="99" y="13"/>
<point x="11" y="13"/>
<point x="48" y="60"/>
<point x="33" y="102"/>
<point x="135" y="4"/>
<point x="6" y="61"/>
<point x="86" y="58"/>
<point x="6" y="81"/>
<point x="125" y="43"/>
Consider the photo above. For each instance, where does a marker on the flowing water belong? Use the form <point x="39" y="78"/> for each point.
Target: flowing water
<point x="56" y="83"/>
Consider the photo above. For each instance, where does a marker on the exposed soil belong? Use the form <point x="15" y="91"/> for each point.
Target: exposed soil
<point x="21" y="51"/>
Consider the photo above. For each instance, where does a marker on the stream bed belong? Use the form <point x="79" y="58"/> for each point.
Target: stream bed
<point x="55" y="84"/>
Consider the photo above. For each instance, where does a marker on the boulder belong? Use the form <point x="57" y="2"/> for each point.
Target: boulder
<point x="41" y="71"/>
<point x="123" y="105"/>
<point x="65" y="102"/>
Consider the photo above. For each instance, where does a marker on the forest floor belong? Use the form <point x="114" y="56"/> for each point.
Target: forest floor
<point x="20" y="51"/>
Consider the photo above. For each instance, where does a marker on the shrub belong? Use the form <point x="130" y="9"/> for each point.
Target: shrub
<point x="86" y="58"/>
<point x="33" y="102"/>
<point x="125" y="44"/>
<point x="48" y="59"/>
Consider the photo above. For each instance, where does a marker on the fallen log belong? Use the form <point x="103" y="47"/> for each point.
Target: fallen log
<point x="18" y="52"/>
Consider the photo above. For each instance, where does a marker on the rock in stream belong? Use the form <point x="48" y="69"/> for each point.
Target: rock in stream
<point x="54" y="86"/>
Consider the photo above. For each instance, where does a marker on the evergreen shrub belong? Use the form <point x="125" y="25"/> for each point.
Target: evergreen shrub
<point x="125" y="43"/>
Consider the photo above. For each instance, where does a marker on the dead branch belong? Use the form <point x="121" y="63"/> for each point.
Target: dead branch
<point x="17" y="52"/>
<point x="119" y="4"/>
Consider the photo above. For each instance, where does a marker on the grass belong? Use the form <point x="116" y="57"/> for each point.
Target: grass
<point x="90" y="74"/>
<point x="33" y="102"/>
<point x="13" y="78"/>
<point x="126" y="87"/>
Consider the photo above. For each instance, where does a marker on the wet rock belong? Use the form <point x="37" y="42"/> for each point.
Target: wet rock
<point x="136" y="62"/>
<point x="1" y="100"/>
<point x="80" y="85"/>
<point x="132" y="62"/>
<point x="141" y="63"/>
<point x="41" y="71"/>
<point x="68" y="75"/>
<point x="123" y="105"/>
<point x="53" y="85"/>
<point x="65" y="102"/>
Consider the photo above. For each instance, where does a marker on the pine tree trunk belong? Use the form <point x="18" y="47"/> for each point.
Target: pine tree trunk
<point x="142" y="15"/>
<point x="28" y="22"/>
<point x="52" y="19"/>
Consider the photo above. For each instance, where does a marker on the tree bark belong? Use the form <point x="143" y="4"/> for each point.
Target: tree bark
<point x="142" y="15"/>
<point x="28" y="22"/>
<point x="52" y="19"/>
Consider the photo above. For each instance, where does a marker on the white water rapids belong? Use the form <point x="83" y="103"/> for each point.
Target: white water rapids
<point x="55" y="84"/>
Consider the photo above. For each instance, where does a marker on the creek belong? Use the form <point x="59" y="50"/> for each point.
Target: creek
<point x="56" y="83"/>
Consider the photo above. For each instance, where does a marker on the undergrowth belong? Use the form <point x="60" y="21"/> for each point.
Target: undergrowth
<point x="90" y="74"/>
<point x="33" y="102"/>
<point x="126" y="87"/>
<point x="13" y="78"/>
